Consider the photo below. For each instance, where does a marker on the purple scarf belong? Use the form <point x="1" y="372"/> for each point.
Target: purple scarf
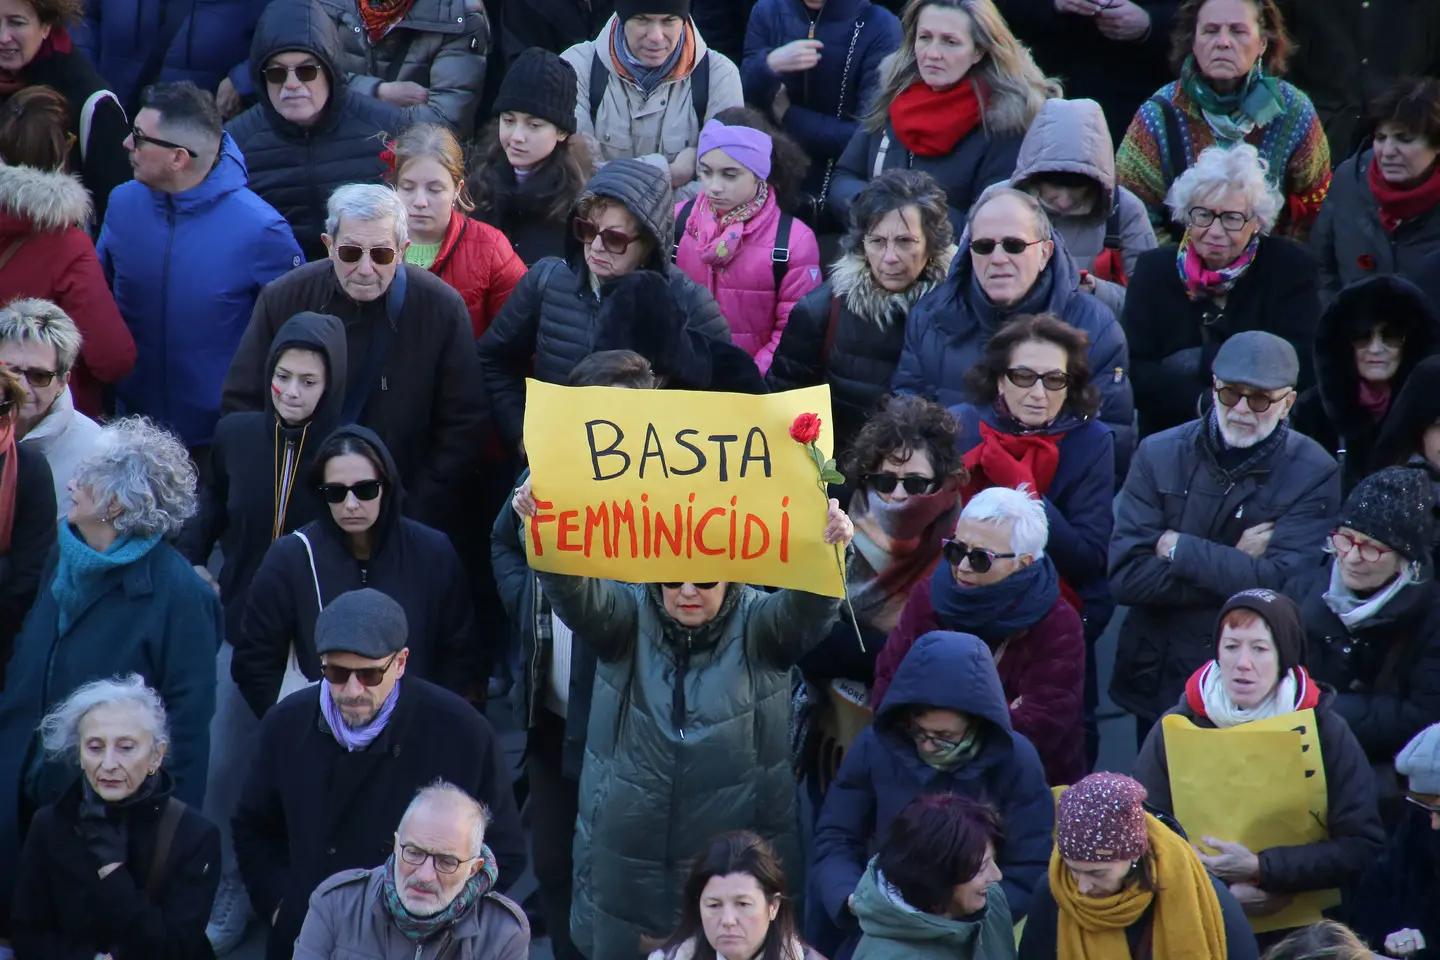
<point x="356" y="738"/>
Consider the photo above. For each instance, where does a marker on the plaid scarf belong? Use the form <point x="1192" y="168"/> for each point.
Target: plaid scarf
<point x="416" y="928"/>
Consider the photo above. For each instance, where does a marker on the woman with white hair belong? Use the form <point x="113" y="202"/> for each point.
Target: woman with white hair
<point x="118" y="599"/>
<point x="117" y="866"/>
<point x="1227" y="274"/>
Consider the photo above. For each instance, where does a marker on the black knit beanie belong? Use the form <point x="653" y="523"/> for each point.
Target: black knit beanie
<point x="1394" y="506"/>
<point x="1280" y="615"/>
<point x="625" y="9"/>
<point x="543" y="85"/>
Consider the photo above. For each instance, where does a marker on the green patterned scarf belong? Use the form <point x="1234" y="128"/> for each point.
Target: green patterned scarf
<point x="1233" y="115"/>
<point x="416" y="928"/>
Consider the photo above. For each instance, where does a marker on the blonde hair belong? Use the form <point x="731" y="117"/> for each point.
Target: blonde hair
<point x="438" y="143"/>
<point x="1013" y="88"/>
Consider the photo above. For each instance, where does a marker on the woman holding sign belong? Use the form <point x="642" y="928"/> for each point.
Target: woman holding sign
<point x="1256" y="674"/>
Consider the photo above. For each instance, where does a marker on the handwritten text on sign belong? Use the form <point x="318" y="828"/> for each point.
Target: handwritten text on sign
<point x="674" y="485"/>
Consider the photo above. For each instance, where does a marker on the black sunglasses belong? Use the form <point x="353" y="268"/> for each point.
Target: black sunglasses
<point x="887" y="482"/>
<point x="1257" y="402"/>
<point x="305" y="73"/>
<point x="350" y="253"/>
<point x="672" y="585"/>
<point x="611" y="239"/>
<point x="1024" y="378"/>
<point x="337" y="492"/>
<point x="139" y="138"/>
<point x="980" y="559"/>
<point x="368" y="676"/>
<point x="1011" y="245"/>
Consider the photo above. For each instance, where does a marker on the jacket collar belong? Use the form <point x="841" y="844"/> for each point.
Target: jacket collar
<point x="852" y="282"/>
<point x="54" y="424"/>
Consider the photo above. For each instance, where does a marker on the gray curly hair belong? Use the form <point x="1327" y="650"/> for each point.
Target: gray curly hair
<point x="60" y="730"/>
<point x="146" y="472"/>
<point x="1217" y="171"/>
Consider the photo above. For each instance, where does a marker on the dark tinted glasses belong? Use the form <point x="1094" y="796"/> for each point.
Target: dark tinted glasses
<point x="364" y="490"/>
<point x="1011" y="245"/>
<point x="349" y="253"/>
<point x="1258" y="402"/>
<point x="980" y="560"/>
<point x="1024" y="378"/>
<point x="1390" y="337"/>
<point x="33" y="375"/>
<point x="887" y="482"/>
<point x="305" y="73"/>
<point x="611" y="239"/>
<point x="672" y="585"/>
<point x="368" y="676"/>
<point x="141" y="138"/>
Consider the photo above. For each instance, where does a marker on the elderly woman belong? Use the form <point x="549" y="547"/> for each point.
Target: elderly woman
<point x="27" y="511"/>
<point x="1226" y="275"/>
<point x="118" y="599"/>
<point x="1381" y="215"/>
<point x="954" y="101"/>
<point x="1257" y="674"/>
<point x="933" y="891"/>
<point x="1229" y="55"/>
<point x="117" y="865"/>
<point x="1371" y="338"/>
<point x="1121" y="883"/>
<point x="850" y="330"/>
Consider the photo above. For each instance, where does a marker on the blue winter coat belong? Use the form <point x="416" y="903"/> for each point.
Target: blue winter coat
<point x="949" y="327"/>
<point x="186" y="269"/>
<point x="826" y="100"/>
<point x="882" y="772"/>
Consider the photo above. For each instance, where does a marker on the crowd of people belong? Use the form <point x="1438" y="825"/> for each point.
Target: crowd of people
<point x="1130" y="315"/>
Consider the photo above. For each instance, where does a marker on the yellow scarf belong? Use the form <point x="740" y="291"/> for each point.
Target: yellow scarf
<point x="1187" y="922"/>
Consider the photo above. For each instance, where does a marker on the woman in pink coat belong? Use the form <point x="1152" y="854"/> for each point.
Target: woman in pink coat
<point x="734" y="239"/>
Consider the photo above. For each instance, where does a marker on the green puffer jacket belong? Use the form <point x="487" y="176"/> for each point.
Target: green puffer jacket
<point x="669" y="765"/>
<point x="894" y="930"/>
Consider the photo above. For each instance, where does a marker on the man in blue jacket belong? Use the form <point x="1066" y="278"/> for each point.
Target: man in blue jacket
<point x="187" y="248"/>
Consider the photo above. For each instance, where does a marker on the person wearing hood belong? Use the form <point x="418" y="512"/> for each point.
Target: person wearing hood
<point x="310" y="131"/>
<point x="849" y="331"/>
<point x="943" y="727"/>
<point x="1410" y="436"/>
<point x="1067" y="162"/>
<point x="646" y="85"/>
<point x="624" y="221"/>
<point x="1226" y="275"/>
<point x="118" y="865"/>
<point x="1372" y="614"/>
<point x="187" y="248"/>
<point x="1371" y="338"/>
<point x="687" y="735"/>
<point x="1257" y="673"/>
<point x="1017" y="264"/>
<point x="45" y="213"/>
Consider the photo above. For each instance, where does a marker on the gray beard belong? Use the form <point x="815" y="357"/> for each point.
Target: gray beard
<point x="1245" y="442"/>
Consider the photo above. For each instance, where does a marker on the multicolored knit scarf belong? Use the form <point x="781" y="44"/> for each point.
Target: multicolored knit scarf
<point x="416" y="928"/>
<point x="1202" y="283"/>
<point x="729" y="228"/>
<point x="1233" y="115"/>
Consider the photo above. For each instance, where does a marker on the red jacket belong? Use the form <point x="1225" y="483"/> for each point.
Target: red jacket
<point x="478" y="261"/>
<point x="56" y="261"/>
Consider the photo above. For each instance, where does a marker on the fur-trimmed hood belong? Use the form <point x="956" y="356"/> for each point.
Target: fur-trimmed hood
<point x="851" y="281"/>
<point x="49" y="200"/>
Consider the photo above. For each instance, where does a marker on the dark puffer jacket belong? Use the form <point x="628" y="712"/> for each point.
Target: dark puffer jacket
<point x="550" y="316"/>
<point x="295" y="168"/>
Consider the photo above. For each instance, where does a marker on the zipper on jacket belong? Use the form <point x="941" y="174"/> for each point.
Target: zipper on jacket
<point x="165" y="301"/>
<point x="677" y="699"/>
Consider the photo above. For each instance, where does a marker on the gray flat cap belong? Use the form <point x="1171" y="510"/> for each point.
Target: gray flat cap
<point x="365" y="622"/>
<point x="1257" y="359"/>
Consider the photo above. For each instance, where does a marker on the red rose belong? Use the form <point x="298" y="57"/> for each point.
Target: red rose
<point x="806" y="428"/>
<point x="1365" y="261"/>
<point x="387" y="157"/>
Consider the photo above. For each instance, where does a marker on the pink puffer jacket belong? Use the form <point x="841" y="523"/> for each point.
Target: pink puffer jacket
<point x="744" y="286"/>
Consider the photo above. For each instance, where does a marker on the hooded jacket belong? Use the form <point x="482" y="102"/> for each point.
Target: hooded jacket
<point x="894" y="930"/>
<point x="413" y="564"/>
<point x="1330" y="411"/>
<point x="295" y="168"/>
<point x="551" y="314"/>
<point x="238" y="503"/>
<point x="49" y="211"/>
<point x="186" y="269"/>
<point x="1070" y="136"/>
<point x="688" y="738"/>
<point x="1402" y="887"/>
<point x="882" y="772"/>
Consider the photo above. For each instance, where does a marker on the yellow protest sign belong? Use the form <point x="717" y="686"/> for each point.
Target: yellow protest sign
<point x="651" y="485"/>
<point x="1261" y="784"/>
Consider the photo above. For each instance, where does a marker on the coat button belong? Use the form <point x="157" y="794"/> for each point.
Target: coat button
<point x="330" y="851"/>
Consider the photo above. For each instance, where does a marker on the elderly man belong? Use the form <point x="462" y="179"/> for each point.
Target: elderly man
<point x="413" y="375"/>
<point x="1212" y="507"/>
<point x="187" y="248"/>
<point x="39" y="344"/>
<point x="338" y="762"/>
<point x="647" y="84"/>
<point x="1017" y="264"/>
<point x="436" y="888"/>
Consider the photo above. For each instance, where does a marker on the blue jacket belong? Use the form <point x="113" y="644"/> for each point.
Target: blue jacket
<point x="882" y="772"/>
<point x="949" y="327"/>
<point x="826" y="100"/>
<point x="186" y="269"/>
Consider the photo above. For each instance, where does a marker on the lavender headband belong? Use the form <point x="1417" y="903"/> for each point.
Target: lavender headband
<point x="745" y="145"/>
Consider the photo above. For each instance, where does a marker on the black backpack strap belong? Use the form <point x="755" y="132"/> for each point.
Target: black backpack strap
<point x="1112" y="229"/>
<point x="1172" y="162"/>
<point x="780" y="255"/>
<point x="402" y="50"/>
<point x="599" y="80"/>
<point x="681" y="218"/>
<point x="700" y="88"/>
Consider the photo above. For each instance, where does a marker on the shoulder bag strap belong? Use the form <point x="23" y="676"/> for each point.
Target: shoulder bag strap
<point x="11" y="250"/>
<point x="832" y="325"/>
<point x="599" y="80"/>
<point x="164" y="840"/>
<point x="314" y="574"/>
<point x="780" y="254"/>
<point x="700" y="88"/>
<point x="681" y="219"/>
<point x="840" y="106"/>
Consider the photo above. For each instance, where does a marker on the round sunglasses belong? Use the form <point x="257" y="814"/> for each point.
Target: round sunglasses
<point x="368" y="676"/>
<point x="337" y="492"/>
<point x="1257" y="402"/>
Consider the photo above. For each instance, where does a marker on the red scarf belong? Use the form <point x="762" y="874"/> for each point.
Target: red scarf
<point x="11" y="82"/>
<point x="929" y="123"/>
<point x="1008" y="460"/>
<point x="1374" y="399"/>
<point x="1396" y="204"/>
<point x="9" y="470"/>
<point x="380" y="15"/>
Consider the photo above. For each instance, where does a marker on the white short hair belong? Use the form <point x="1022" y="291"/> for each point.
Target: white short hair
<point x="60" y="730"/>
<point x="1220" y="169"/>
<point x="41" y="321"/>
<point x="370" y="202"/>
<point x="446" y="792"/>
<point x="1031" y="528"/>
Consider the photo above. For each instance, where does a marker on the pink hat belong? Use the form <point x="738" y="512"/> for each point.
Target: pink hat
<point x="1101" y="820"/>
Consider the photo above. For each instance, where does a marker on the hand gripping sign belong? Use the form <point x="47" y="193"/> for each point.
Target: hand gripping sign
<point x="677" y="485"/>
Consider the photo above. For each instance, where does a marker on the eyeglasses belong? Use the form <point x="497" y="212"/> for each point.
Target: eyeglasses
<point x="140" y="137"/>
<point x="980" y="559"/>
<point x="672" y="585"/>
<point x="368" y="676"/>
<point x="305" y="73"/>
<point x="1391" y="338"/>
<point x="33" y="375"/>
<point x="921" y="736"/>
<point x="1231" y="221"/>
<point x="887" y="482"/>
<point x="903" y="245"/>
<point x="1427" y="807"/>
<point x="1024" y="378"/>
<point x="1257" y="402"/>
<point x="1011" y="245"/>
<point x="444" y="862"/>
<point x="611" y="239"/>
<point x="366" y="490"/>
<point x="380" y="256"/>
<point x="1342" y="543"/>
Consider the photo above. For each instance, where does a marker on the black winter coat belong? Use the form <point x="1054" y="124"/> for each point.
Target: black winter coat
<point x="1173" y="339"/>
<point x="310" y="809"/>
<point x="1402" y="887"/>
<point x="63" y="911"/>
<point x="295" y="168"/>
<point x="523" y="211"/>
<point x="31" y="541"/>
<point x="554" y="25"/>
